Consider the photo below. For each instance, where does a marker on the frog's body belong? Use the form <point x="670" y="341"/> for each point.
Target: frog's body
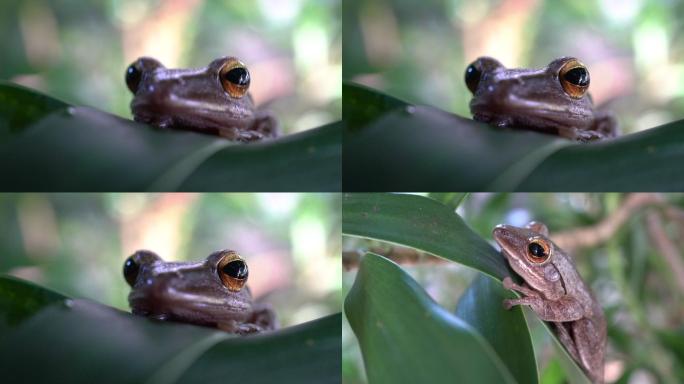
<point x="553" y="99"/>
<point x="212" y="100"/>
<point x="556" y="293"/>
<point x="209" y="293"/>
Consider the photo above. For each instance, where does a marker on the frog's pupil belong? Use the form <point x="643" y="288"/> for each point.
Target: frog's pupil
<point x="133" y="76"/>
<point x="537" y="250"/>
<point x="472" y="77"/>
<point x="578" y="76"/>
<point x="130" y="270"/>
<point x="236" y="269"/>
<point x="238" y="76"/>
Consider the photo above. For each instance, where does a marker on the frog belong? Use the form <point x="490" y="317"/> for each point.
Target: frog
<point x="553" y="288"/>
<point x="214" y="99"/>
<point x="553" y="99"/>
<point x="210" y="293"/>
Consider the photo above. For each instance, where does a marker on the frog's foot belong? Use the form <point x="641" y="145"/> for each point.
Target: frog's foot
<point x="266" y="125"/>
<point x="239" y="328"/>
<point x="237" y="134"/>
<point x="535" y="302"/>
<point x="264" y="316"/>
<point x="580" y="135"/>
<point x="606" y="125"/>
<point x="250" y="136"/>
<point x="509" y="284"/>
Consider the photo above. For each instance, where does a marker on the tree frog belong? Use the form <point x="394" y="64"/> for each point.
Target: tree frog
<point x="553" y="99"/>
<point x="212" y="100"/>
<point x="555" y="291"/>
<point x="211" y="293"/>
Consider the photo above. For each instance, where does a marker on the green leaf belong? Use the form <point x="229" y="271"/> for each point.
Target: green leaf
<point x="406" y="337"/>
<point x="435" y="150"/>
<point x="451" y="199"/>
<point x="48" y="145"/>
<point x="20" y="299"/>
<point x="421" y="223"/>
<point x="363" y="104"/>
<point x="481" y="307"/>
<point x="80" y="341"/>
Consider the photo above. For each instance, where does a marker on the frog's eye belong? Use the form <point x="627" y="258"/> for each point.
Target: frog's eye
<point x="233" y="271"/>
<point x="538" y="250"/>
<point x="130" y="270"/>
<point x="234" y="78"/>
<point x="472" y="77"/>
<point x="132" y="265"/>
<point x="133" y="76"/>
<point x="574" y="77"/>
<point x="134" y="72"/>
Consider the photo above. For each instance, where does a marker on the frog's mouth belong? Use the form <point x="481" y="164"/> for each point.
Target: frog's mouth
<point x="539" y="115"/>
<point x="189" y="115"/>
<point x="170" y="304"/>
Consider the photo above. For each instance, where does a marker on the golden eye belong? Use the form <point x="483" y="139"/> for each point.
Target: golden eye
<point x="233" y="271"/>
<point x="235" y="78"/>
<point x="574" y="77"/>
<point x="538" y="251"/>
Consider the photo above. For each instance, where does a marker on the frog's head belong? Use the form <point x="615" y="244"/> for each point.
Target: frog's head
<point x="530" y="253"/>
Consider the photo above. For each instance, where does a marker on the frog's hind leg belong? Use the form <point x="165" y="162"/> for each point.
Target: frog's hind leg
<point x="590" y="349"/>
<point x="566" y="339"/>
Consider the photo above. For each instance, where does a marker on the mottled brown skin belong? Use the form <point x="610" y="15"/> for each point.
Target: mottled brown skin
<point x="192" y="292"/>
<point x="194" y="99"/>
<point x="535" y="99"/>
<point x="556" y="292"/>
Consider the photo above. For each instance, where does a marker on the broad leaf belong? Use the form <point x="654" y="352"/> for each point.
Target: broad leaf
<point x="505" y="330"/>
<point x="406" y="337"/>
<point x="80" y="341"/>
<point x="398" y="147"/>
<point x="48" y="145"/>
<point x="421" y="223"/>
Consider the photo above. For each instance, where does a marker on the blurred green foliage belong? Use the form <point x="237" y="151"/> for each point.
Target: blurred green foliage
<point x="78" y="51"/>
<point x="635" y="283"/>
<point x="77" y="243"/>
<point x="419" y="51"/>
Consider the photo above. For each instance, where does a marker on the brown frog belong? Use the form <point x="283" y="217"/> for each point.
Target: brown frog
<point x="556" y="292"/>
<point x="211" y="293"/>
<point x="553" y="99"/>
<point x="213" y="99"/>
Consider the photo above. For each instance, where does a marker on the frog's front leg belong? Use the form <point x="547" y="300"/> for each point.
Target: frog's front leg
<point x="509" y="284"/>
<point x="581" y="135"/>
<point x="564" y="309"/>
<point x="239" y="328"/>
<point x="264" y="317"/>
<point x="264" y="125"/>
<point x="605" y="124"/>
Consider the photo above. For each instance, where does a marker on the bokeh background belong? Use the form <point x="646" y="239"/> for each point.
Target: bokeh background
<point x="418" y="51"/>
<point x="77" y="243"/>
<point x="78" y="51"/>
<point x="636" y="273"/>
